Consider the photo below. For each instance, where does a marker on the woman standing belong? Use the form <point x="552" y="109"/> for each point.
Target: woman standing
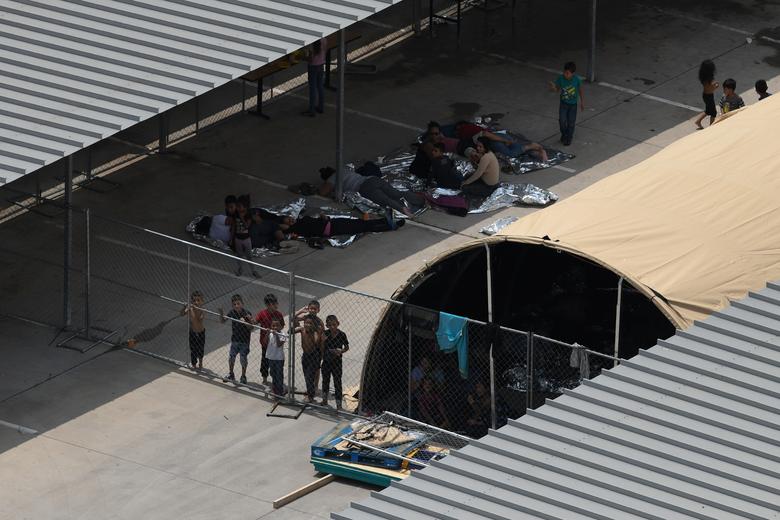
<point x="316" y="77"/>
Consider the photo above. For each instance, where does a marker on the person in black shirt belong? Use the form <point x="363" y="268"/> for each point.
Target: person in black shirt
<point x="242" y="322"/>
<point x="443" y="169"/>
<point x="334" y="346"/>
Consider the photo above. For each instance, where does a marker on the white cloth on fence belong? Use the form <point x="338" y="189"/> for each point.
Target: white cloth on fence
<point x="579" y="359"/>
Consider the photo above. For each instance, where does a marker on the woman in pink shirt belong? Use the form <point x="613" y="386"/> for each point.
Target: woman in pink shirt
<point x="316" y="77"/>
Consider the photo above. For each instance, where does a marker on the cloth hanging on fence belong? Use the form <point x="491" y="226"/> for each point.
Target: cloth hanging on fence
<point x="453" y="336"/>
<point x="579" y="359"/>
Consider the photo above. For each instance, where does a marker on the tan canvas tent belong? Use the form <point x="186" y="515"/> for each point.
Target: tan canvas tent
<point x="695" y="225"/>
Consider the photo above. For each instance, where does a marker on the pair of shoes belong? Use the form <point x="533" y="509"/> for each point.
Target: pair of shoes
<point x="338" y="405"/>
<point x="255" y="273"/>
<point x="242" y="380"/>
<point x="265" y="381"/>
<point x="230" y="377"/>
<point x="324" y="402"/>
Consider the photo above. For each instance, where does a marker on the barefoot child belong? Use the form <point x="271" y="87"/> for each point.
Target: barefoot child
<point x="241" y="321"/>
<point x="311" y="344"/>
<point x="275" y="355"/>
<point x="334" y="346"/>
<point x="709" y="86"/>
<point x="197" y="329"/>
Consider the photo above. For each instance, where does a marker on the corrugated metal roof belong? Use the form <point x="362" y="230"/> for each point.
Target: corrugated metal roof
<point x="685" y="430"/>
<point x="73" y="72"/>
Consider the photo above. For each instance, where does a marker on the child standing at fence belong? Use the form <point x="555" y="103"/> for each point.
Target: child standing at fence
<point x="275" y="355"/>
<point x="311" y="344"/>
<point x="197" y="329"/>
<point x="311" y="310"/>
<point x="264" y="319"/>
<point x="335" y="345"/>
<point x="242" y="241"/>
<point x="241" y="321"/>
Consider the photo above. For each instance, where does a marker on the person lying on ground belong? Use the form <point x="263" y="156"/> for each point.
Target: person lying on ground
<point x="486" y="178"/>
<point x="263" y="232"/>
<point x="443" y="169"/>
<point x="470" y="133"/>
<point x="325" y="227"/>
<point x="375" y="189"/>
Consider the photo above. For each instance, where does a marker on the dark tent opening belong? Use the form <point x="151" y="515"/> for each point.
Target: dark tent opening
<point x="534" y="288"/>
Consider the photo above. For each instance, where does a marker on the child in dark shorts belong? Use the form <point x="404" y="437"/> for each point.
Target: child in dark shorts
<point x="197" y="335"/>
<point x="709" y="86"/>
<point x="242" y="323"/>
<point x="335" y="345"/>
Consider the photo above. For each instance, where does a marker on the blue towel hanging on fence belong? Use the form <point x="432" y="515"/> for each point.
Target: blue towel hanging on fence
<point x="453" y="336"/>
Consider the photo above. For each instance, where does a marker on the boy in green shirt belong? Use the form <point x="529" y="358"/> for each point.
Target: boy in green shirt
<point x="570" y="87"/>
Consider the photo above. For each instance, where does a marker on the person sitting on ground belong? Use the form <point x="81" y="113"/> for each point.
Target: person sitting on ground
<point x="470" y="133"/>
<point x="761" y="89"/>
<point x="325" y="227"/>
<point x="421" y="165"/>
<point x="479" y="416"/>
<point x="730" y="100"/>
<point x="443" y="169"/>
<point x="375" y="189"/>
<point x="486" y="178"/>
<point x="435" y="134"/>
<point x="430" y="405"/>
<point x="263" y="232"/>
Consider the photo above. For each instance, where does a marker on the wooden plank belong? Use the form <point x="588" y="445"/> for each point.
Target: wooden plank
<point x="303" y="491"/>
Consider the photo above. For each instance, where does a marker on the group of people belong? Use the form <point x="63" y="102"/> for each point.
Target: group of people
<point x="477" y="144"/>
<point x="322" y="344"/>
<point x="729" y="101"/>
<point x="243" y="228"/>
<point x="427" y="383"/>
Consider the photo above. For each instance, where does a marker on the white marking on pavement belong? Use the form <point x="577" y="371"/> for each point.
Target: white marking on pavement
<point x="19" y="428"/>
<point x="648" y="96"/>
<point x="563" y="168"/>
<point x="367" y="115"/>
<point x="429" y="227"/>
<point x="182" y="261"/>
<point x="600" y="83"/>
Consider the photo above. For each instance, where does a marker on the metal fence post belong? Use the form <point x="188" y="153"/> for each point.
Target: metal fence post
<point x="617" y="319"/>
<point x="489" y="283"/>
<point x="529" y="367"/>
<point x="197" y="114"/>
<point x="409" y="365"/>
<point x="188" y="296"/>
<point x="87" y="273"/>
<point x="68" y="246"/>
<point x="592" y="41"/>
<point x="291" y="348"/>
<point x="342" y="61"/>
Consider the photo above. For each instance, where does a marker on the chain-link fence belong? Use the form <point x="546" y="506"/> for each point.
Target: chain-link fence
<point x="290" y="336"/>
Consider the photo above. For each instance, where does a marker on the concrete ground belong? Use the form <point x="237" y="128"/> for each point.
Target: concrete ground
<point x="125" y="436"/>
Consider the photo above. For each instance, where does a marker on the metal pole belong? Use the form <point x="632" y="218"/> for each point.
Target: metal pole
<point x="493" y="416"/>
<point x="188" y="297"/>
<point x="89" y="163"/>
<point x="291" y="348"/>
<point x="163" y="146"/>
<point x="243" y="95"/>
<point x="197" y="114"/>
<point x="430" y="18"/>
<point x="592" y="42"/>
<point x="87" y="273"/>
<point x="68" y="236"/>
<point x="458" y="29"/>
<point x="342" y="61"/>
<point x="416" y="8"/>
<point x="617" y="319"/>
<point x="409" y="367"/>
<point x="529" y="370"/>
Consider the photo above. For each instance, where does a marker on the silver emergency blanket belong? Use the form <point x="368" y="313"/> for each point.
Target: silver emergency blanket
<point x="527" y="163"/>
<point x="395" y="170"/>
<point x="339" y="241"/>
<point x="464" y="166"/>
<point x="507" y="195"/>
<point x="363" y="205"/>
<point x="257" y="252"/>
<point x="497" y="226"/>
<point x="291" y="209"/>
